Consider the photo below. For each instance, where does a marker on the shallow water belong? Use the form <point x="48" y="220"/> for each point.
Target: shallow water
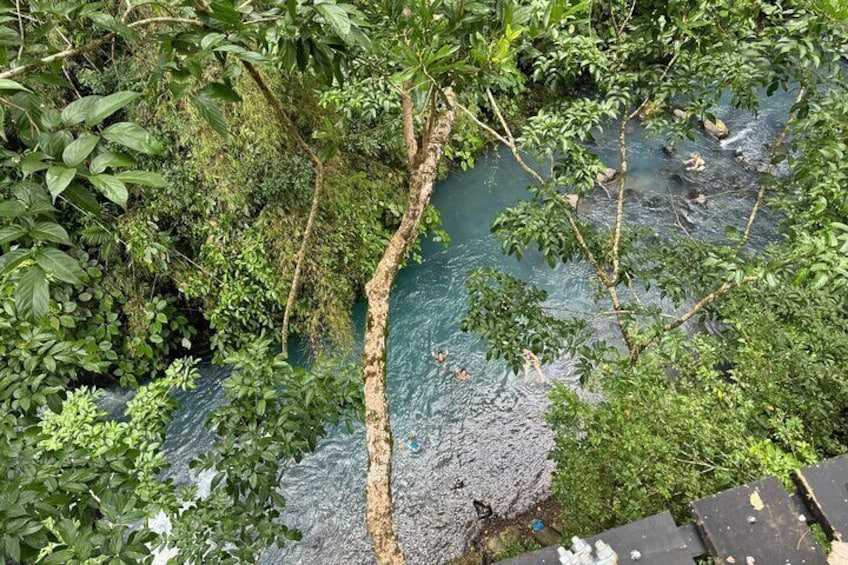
<point x="487" y="432"/>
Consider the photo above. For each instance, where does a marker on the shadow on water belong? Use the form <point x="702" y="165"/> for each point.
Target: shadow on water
<point x="487" y="433"/>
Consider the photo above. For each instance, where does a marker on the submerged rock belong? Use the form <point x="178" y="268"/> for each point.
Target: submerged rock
<point x="669" y="149"/>
<point x="606" y="176"/>
<point x="717" y="129"/>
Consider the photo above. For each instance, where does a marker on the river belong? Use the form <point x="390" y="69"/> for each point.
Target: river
<point x="487" y="432"/>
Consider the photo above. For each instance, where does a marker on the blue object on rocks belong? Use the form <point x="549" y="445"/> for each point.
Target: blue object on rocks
<point x="538" y="525"/>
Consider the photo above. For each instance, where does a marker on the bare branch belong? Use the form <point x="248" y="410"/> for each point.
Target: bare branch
<point x="706" y="301"/>
<point x="619" y="209"/>
<point x="752" y="216"/>
<point x="91" y="46"/>
<point x="318" y="185"/>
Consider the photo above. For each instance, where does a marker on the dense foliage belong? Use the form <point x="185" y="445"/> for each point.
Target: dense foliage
<point x="682" y="413"/>
<point x="165" y="164"/>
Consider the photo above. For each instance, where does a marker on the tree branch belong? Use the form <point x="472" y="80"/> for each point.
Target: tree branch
<point x="510" y="143"/>
<point x="318" y="185"/>
<point x="619" y="210"/>
<point x="91" y="46"/>
<point x="408" y="124"/>
<point x="378" y="431"/>
<point x="706" y="301"/>
<point x="752" y="216"/>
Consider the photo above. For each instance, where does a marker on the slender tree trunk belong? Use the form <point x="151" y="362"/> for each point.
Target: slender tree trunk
<point x="318" y="185"/>
<point x="377" y="426"/>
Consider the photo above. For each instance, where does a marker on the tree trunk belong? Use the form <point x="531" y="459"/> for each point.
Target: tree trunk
<point x="377" y="427"/>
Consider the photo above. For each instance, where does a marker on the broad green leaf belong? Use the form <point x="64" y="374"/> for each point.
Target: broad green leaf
<point x="50" y="231"/>
<point x="144" y="178"/>
<point x="110" y="159"/>
<point x="50" y="118"/>
<point x="12" y="259"/>
<point x="336" y="16"/>
<point x="6" y="84"/>
<point x="220" y="91"/>
<point x="55" y="143"/>
<point x="12" y="209"/>
<point x="33" y="162"/>
<point x="210" y="112"/>
<point x="60" y="265"/>
<point x="212" y="40"/>
<point x="58" y="179"/>
<point x="79" y="110"/>
<point x="112" y="188"/>
<point x="83" y="197"/>
<point x="32" y="294"/>
<point x="76" y="152"/>
<point x="11" y="233"/>
<point x="133" y="136"/>
<point x="108" y="22"/>
<point x="107" y="106"/>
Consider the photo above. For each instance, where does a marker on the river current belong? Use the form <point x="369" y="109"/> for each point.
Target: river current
<point x="487" y="433"/>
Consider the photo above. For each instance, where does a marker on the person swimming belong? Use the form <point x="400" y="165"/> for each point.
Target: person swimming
<point x="530" y="360"/>
<point x="695" y="163"/>
<point x="441" y="356"/>
<point x="462" y="375"/>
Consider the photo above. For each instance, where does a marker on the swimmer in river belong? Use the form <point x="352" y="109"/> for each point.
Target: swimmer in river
<point x="531" y="360"/>
<point x="695" y="163"/>
<point x="462" y="375"/>
<point x="441" y="356"/>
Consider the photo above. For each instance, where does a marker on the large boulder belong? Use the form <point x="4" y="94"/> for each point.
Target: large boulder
<point x="717" y="129"/>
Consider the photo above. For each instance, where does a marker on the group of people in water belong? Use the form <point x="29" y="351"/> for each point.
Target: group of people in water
<point x="441" y="358"/>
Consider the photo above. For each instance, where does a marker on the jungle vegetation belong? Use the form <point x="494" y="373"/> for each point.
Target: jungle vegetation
<point x="187" y="179"/>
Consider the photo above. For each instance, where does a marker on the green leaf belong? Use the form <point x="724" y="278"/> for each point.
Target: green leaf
<point x="107" y="106"/>
<point x="12" y="259"/>
<point x="133" y="136"/>
<point x="220" y="91"/>
<point x="32" y="294"/>
<point x="6" y="84"/>
<point x="79" y="110"/>
<point x="211" y="40"/>
<point x="32" y="162"/>
<point x="76" y="152"/>
<point x="336" y="16"/>
<point x="83" y="197"/>
<point x="144" y="178"/>
<point x="11" y="233"/>
<point x="112" y="188"/>
<point x="50" y="231"/>
<point x="210" y="112"/>
<point x="13" y="547"/>
<point x="60" y="265"/>
<point x="110" y="159"/>
<point x="58" y="179"/>
<point x="12" y="209"/>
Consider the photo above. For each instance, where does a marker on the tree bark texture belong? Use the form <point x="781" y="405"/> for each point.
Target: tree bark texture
<point x="377" y="291"/>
